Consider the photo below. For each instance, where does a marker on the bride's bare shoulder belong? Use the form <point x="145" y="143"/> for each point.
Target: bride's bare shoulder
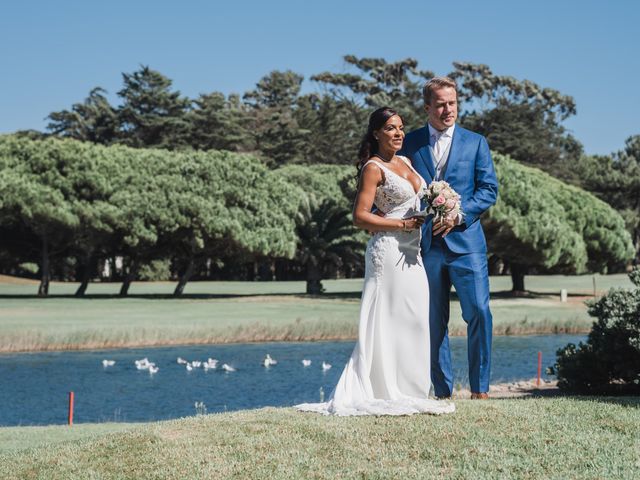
<point x="372" y="170"/>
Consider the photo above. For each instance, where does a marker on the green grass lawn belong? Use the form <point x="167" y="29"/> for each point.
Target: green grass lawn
<point x="516" y="438"/>
<point x="13" y="439"/>
<point x="219" y="312"/>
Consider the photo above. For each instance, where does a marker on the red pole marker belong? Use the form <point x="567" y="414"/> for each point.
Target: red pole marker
<point x="70" y="408"/>
<point x="539" y="368"/>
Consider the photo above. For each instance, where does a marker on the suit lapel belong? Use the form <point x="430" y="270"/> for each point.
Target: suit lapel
<point x="424" y="154"/>
<point x="455" y="152"/>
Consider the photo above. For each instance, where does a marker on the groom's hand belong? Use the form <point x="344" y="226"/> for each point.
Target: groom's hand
<point x="443" y="226"/>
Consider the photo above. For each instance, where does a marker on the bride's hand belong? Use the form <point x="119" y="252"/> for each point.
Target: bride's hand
<point x="412" y="223"/>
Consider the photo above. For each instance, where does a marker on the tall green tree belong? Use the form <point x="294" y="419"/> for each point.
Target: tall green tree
<point x="230" y="203"/>
<point x="220" y="123"/>
<point x="519" y="118"/>
<point x="543" y="224"/>
<point x="93" y="120"/>
<point x="374" y="82"/>
<point x="277" y="134"/>
<point x="37" y="196"/>
<point x="152" y="114"/>
<point x="91" y="179"/>
<point x="335" y="129"/>
<point x="142" y="197"/>
<point x="616" y="180"/>
<point x="90" y="201"/>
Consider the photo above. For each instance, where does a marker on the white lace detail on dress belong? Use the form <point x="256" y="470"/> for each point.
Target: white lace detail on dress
<point x="395" y="190"/>
<point x="397" y="199"/>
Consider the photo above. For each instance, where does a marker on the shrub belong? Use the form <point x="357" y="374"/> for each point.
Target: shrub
<point x="29" y="268"/>
<point x="155" y="271"/>
<point x="609" y="362"/>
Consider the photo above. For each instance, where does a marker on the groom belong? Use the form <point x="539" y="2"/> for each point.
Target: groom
<point x="455" y="252"/>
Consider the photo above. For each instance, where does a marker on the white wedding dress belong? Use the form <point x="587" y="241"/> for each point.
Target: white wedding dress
<point x="389" y="370"/>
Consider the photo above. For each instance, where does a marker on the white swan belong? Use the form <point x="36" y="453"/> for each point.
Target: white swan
<point x="325" y="366"/>
<point x="268" y="361"/>
<point x="143" y="364"/>
<point x="228" y="368"/>
<point x="189" y="367"/>
<point x="108" y="363"/>
<point x="211" y="363"/>
<point x="306" y="362"/>
<point x="153" y="369"/>
<point x="181" y="361"/>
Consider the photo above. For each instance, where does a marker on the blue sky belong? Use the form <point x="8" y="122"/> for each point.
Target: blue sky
<point x="53" y="53"/>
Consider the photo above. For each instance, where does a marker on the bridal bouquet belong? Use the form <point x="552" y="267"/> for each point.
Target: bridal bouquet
<point x="442" y="201"/>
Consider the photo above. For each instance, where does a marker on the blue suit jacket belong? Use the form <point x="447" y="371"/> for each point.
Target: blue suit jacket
<point x="470" y="172"/>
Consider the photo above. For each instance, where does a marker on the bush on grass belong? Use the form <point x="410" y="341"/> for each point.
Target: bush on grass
<point x="609" y="362"/>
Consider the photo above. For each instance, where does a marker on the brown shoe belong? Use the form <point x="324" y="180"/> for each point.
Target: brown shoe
<point x="479" y="396"/>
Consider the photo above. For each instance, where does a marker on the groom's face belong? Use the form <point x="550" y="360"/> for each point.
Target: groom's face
<point x="443" y="108"/>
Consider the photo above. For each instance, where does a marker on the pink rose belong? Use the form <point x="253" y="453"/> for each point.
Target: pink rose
<point x="439" y="200"/>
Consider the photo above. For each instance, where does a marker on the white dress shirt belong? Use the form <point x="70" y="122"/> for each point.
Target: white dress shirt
<point x="441" y="145"/>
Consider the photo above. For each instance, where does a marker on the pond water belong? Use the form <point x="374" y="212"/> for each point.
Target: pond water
<point x="34" y="387"/>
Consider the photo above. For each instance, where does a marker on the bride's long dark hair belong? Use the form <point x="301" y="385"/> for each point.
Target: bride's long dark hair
<point x="369" y="144"/>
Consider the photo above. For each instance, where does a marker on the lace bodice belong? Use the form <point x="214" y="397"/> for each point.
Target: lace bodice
<point x="397" y="192"/>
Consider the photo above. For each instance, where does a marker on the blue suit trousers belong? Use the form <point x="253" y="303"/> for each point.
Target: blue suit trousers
<point x="468" y="272"/>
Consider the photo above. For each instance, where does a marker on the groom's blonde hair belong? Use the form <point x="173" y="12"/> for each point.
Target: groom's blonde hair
<point x="437" y="83"/>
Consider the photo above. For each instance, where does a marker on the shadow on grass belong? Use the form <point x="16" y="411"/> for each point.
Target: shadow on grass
<point x="508" y="294"/>
<point x="626" y="400"/>
<point x="354" y="295"/>
<point x="184" y="296"/>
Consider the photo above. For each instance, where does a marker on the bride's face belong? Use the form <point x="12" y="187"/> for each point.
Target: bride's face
<point x="391" y="135"/>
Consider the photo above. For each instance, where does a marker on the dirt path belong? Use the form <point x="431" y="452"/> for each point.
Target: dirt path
<point x="524" y="388"/>
<point x="17" y="280"/>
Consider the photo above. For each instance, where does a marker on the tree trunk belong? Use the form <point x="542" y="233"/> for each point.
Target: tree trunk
<point x="517" y="278"/>
<point x="43" y="289"/>
<point x="314" y="280"/>
<point x="85" y="276"/>
<point x="282" y="270"/>
<point x="185" y="277"/>
<point x="265" y="269"/>
<point x="126" y="283"/>
<point x="129" y="276"/>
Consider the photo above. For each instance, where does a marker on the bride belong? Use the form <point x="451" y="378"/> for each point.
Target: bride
<point x="389" y="370"/>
